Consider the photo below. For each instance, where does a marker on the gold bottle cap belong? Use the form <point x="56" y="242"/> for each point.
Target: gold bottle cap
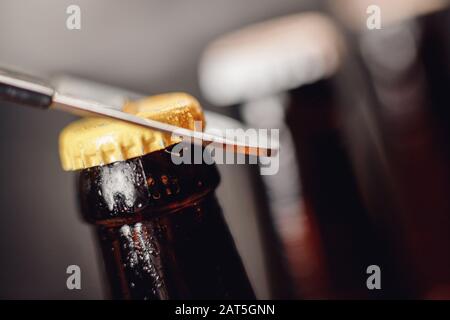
<point x="93" y="142"/>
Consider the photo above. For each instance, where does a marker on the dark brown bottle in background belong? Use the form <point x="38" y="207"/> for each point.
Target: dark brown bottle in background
<point x="331" y="196"/>
<point x="282" y="73"/>
<point x="396" y="123"/>
<point x="161" y="229"/>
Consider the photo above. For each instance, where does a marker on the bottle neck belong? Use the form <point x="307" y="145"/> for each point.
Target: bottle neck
<point x="142" y="187"/>
<point x="188" y="254"/>
<point x="161" y="230"/>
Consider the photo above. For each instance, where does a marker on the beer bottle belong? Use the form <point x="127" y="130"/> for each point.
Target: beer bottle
<point x="160" y="227"/>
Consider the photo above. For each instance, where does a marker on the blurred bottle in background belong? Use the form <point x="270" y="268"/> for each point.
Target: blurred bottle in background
<point x="396" y="120"/>
<point x="281" y="74"/>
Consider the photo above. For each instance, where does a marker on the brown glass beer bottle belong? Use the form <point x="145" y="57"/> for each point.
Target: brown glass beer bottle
<point x="160" y="227"/>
